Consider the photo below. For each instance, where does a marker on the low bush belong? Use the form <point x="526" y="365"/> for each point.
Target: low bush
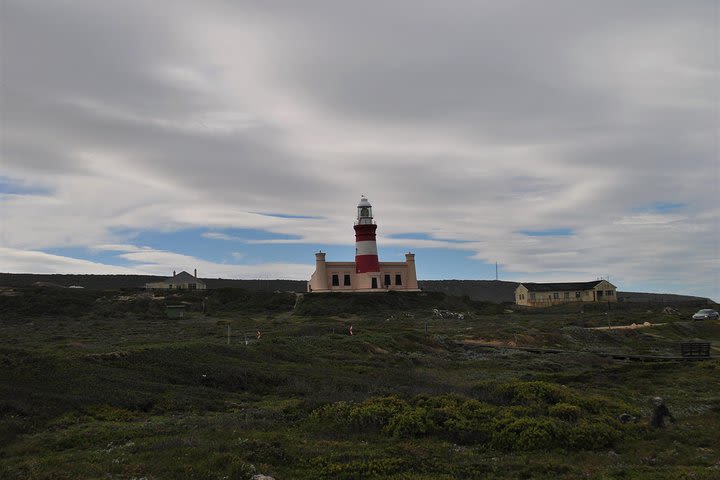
<point x="538" y="419"/>
<point x="587" y="435"/>
<point x="533" y="393"/>
<point x="410" y="422"/>
<point x="565" y="411"/>
<point x="526" y="434"/>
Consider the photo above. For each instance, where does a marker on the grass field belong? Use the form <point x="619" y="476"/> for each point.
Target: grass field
<point x="104" y="385"/>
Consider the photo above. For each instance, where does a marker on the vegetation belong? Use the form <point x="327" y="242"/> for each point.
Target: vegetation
<point x="102" y="384"/>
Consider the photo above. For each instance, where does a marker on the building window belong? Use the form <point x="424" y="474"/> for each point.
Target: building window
<point x="556" y="295"/>
<point x="387" y="280"/>
<point x="532" y="296"/>
<point x="398" y="279"/>
<point x="192" y="286"/>
<point x="609" y="293"/>
<point x="577" y="294"/>
<point x="567" y="295"/>
<point x="599" y="294"/>
<point x="335" y="280"/>
<point x="346" y="280"/>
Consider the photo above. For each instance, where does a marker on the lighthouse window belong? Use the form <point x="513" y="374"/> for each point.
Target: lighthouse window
<point x="335" y="280"/>
<point x="387" y="280"/>
<point x="346" y="280"/>
<point x="398" y="279"/>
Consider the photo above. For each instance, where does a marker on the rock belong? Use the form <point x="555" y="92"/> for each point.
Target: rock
<point x="626" y="418"/>
<point x="260" y="476"/>
<point x="447" y="314"/>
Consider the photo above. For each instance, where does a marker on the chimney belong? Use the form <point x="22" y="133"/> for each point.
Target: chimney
<point x="173" y="273"/>
<point x="196" y="273"/>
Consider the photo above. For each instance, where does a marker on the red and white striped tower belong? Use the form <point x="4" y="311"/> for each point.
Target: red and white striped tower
<point x="366" y="257"/>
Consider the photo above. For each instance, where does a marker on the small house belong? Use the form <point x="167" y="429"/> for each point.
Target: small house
<point x="546" y="294"/>
<point x="180" y="281"/>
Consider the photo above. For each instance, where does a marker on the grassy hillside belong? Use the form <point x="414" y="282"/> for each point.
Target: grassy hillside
<point x="101" y="384"/>
<point x="497" y="291"/>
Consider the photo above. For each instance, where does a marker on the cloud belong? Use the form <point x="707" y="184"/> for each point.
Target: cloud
<point x="28" y="261"/>
<point x="146" y="261"/>
<point x="470" y="124"/>
<point x="223" y="236"/>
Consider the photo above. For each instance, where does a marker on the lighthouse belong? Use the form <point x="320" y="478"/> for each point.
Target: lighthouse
<point x="366" y="256"/>
<point x="366" y="273"/>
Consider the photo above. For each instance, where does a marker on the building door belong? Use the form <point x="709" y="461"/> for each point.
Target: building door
<point x="374" y="282"/>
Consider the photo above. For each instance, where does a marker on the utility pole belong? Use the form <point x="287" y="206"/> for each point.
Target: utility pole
<point x="496" y="271"/>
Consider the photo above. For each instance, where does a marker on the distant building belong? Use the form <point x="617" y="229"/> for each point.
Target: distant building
<point x="181" y="281"/>
<point x="366" y="273"/>
<point x="546" y="294"/>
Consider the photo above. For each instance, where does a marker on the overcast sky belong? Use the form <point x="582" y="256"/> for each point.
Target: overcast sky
<point x="565" y="140"/>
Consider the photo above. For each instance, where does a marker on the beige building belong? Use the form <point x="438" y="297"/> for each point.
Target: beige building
<point x="546" y="294"/>
<point x="343" y="276"/>
<point x="180" y="281"/>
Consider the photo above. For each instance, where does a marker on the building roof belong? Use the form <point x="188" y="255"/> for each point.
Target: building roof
<point x="364" y="202"/>
<point x="182" y="277"/>
<point x="555" y="287"/>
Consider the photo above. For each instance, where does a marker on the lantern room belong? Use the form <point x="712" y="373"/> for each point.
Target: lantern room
<point x="364" y="212"/>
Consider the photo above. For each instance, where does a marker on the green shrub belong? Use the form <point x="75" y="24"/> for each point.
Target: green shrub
<point x="533" y="393"/>
<point x="525" y="434"/>
<point x="565" y="411"/>
<point x="462" y="420"/>
<point x="335" y="415"/>
<point x="410" y="422"/>
<point x="376" y="412"/>
<point x="586" y="435"/>
<point x="373" y="414"/>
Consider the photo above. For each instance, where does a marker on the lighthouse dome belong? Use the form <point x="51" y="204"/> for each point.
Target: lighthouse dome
<point x="364" y="211"/>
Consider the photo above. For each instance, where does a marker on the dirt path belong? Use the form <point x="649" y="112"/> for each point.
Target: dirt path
<point x="632" y="326"/>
